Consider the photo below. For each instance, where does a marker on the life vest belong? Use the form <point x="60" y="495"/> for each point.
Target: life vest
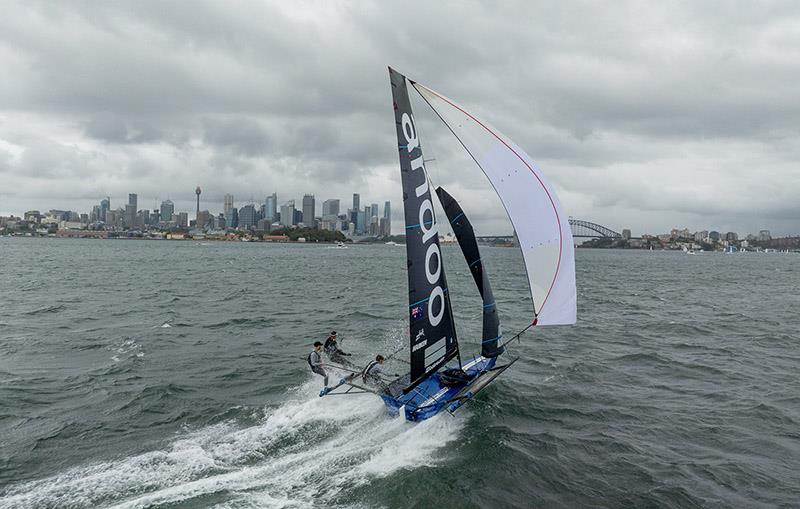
<point x="367" y="370"/>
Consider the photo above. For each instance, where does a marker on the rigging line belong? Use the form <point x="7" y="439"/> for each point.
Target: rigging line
<point x="414" y="85"/>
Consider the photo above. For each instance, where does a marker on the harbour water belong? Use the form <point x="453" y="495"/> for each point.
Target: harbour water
<point x="172" y="374"/>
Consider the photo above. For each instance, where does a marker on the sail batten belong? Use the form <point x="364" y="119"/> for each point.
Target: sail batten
<point x="542" y="228"/>
<point x="431" y="330"/>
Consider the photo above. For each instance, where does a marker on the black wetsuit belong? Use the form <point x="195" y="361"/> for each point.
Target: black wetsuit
<point x="332" y="349"/>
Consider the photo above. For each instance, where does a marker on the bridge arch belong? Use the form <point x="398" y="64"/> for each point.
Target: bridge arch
<point x="587" y="229"/>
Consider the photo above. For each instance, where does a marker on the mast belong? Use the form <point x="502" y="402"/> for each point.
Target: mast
<point x="469" y="247"/>
<point x="431" y="330"/>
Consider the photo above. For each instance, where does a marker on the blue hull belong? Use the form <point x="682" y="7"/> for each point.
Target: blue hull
<point x="432" y="396"/>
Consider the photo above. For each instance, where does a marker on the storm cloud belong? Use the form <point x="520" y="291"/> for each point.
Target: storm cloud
<point x="644" y="115"/>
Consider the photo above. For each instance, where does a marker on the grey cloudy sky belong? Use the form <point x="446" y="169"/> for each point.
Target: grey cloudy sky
<point x="644" y="115"/>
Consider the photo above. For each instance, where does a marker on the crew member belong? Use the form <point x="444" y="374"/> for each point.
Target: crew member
<point x="315" y="362"/>
<point x="372" y="373"/>
<point x="333" y="350"/>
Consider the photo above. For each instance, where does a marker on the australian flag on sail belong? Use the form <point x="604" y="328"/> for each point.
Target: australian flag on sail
<point x="417" y="312"/>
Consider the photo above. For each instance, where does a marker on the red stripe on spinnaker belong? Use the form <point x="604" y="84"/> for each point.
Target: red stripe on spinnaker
<point x="552" y="203"/>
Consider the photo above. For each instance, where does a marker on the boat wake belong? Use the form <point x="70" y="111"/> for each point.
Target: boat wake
<point x="309" y="451"/>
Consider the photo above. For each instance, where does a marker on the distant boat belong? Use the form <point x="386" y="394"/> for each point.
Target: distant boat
<point x="391" y="243"/>
<point x="439" y="379"/>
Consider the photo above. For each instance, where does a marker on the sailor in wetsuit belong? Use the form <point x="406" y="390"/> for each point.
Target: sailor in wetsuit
<point x="333" y="350"/>
<point x="315" y="362"/>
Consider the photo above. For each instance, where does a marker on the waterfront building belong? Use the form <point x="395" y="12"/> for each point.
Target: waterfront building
<point x="33" y="216"/>
<point x="626" y="234"/>
<point x="374" y="226"/>
<point x="374" y="211"/>
<point x="330" y="208"/>
<point x="183" y="219"/>
<point x="247" y="217"/>
<point x="356" y="202"/>
<point x="155" y="217"/>
<point x="263" y="225"/>
<point x="130" y="216"/>
<point x="111" y="218"/>
<point x="167" y="209"/>
<point x="387" y="214"/>
<point x="287" y="213"/>
<point x="232" y="218"/>
<point x="764" y="236"/>
<point x="713" y="235"/>
<point x="732" y="237"/>
<point x="361" y="221"/>
<point x="203" y="218"/>
<point x="309" y="210"/>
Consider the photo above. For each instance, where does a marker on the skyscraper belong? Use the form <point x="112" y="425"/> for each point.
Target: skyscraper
<point x="271" y="207"/>
<point x="287" y="213"/>
<point x="130" y="210"/>
<point x="330" y="208"/>
<point x="309" y="210"/>
<point x="247" y="217"/>
<point x="130" y="216"/>
<point x="387" y="216"/>
<point x="105" y="206"/>
<point x="228" y="209"/>
<point x="374" y="211"/>
<point x="356" y="202"/>
<point x="167" y="209"/>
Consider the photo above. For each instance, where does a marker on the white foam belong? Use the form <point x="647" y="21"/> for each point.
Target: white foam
<point x="304" y="452"/>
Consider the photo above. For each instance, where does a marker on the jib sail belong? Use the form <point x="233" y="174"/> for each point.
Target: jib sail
<point x="469" y="247"/>
<point x="432" y="334"/>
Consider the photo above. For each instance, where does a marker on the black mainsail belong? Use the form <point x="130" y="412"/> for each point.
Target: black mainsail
<point x="432" y="333"/>
<point x="469" y="247"/>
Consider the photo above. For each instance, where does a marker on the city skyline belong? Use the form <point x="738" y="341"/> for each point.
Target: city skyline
<point x="690" y="119"/>
<point x="167" y="209"/>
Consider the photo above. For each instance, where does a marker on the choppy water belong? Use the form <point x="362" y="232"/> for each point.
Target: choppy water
<point x="171" y="374"/>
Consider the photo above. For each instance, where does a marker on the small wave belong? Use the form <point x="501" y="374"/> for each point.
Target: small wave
<point x="236" y="294"/>
<point x="364" y="314"/>
<point x="255" y="322"/>
<point x="47" y="309"/>
<point x="31" y="285"/>
<point x="128" y="349"/>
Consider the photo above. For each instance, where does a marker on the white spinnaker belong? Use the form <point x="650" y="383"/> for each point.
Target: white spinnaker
<point x="541" y="225"/>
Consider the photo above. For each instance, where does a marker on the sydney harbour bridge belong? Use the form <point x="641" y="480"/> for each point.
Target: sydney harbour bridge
<point x="580" y="229"/>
